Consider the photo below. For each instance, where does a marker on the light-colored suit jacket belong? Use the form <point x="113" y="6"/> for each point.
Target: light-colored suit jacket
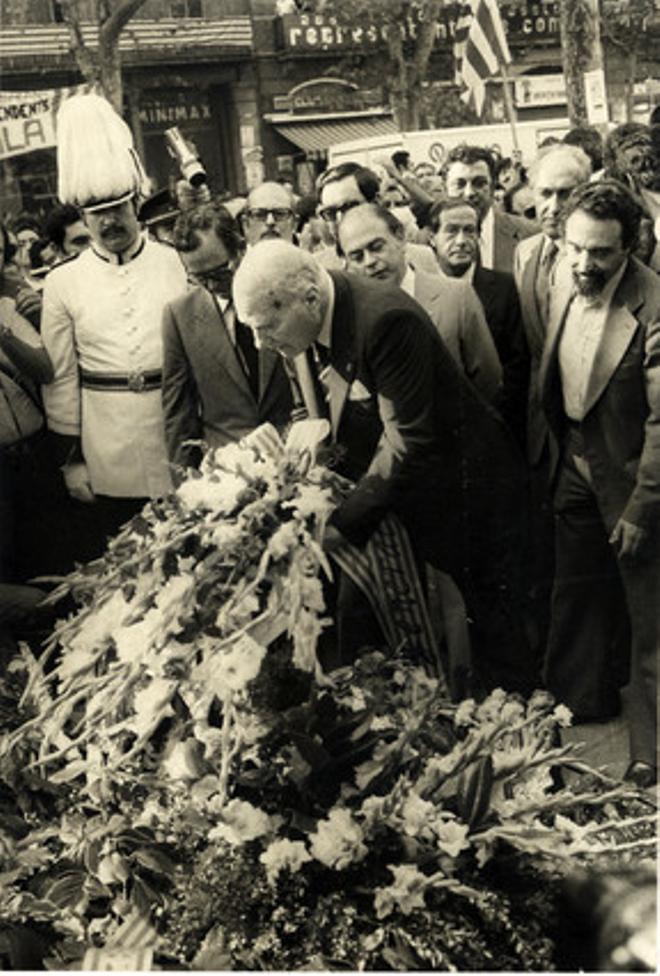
<point x="206" y="394"/>
<point x="454" y="308"/>
<point x="508" y="231"/>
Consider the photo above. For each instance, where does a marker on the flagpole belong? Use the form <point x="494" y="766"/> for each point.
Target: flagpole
<point x="508" y="102"/>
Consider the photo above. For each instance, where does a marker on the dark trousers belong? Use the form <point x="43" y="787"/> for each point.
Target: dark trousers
<point x="100" y="520"/>
<point x="605" y="627"/>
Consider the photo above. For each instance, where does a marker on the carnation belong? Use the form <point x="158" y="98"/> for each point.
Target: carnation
<point x="406" y="893"/>
<point x="281" y="854"/>
<point x="241" y="822"/>
<point x="339" y="840"/>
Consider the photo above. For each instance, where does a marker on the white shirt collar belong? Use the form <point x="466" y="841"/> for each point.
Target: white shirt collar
<point x="408" y="282"/>
<point x="325" y="335"/>
<point x="124" y="256"/>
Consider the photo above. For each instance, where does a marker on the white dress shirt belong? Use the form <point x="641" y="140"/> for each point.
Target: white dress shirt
<point x="579" y="343"/>
<point x="105" y="317"/>
<point x="487" y="240"/>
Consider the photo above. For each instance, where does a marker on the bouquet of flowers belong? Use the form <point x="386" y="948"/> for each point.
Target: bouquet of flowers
<point x="192" y="790"/>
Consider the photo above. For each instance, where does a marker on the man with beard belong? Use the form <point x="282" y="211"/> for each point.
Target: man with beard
<point x="216" y="386"/>
<point x="269" y="214"/>
<point x="600" y="387"/>
<point x="102" y="327"/>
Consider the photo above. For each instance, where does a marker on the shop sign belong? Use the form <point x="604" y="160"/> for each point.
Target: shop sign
<point x="532" y="91"/>
<point x="27" y="119"/>
<point x="537" y="20"/>
<point x="327" y="95"/>
<point x="177" y="108"/>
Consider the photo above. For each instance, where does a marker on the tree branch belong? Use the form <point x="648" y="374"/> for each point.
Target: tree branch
<point x="111" y="27"/>
<point x="79" y="49"/>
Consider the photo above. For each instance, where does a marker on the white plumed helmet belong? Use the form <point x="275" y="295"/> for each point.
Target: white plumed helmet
<point x="97" y="165"/>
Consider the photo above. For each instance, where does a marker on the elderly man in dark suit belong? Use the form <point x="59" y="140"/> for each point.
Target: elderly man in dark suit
<point x="216" y="386"/>
<point x="419" y="441"/>
<point x="600" y="386"/>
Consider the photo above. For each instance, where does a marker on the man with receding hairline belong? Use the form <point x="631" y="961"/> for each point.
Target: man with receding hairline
<point x="418" y="440"/>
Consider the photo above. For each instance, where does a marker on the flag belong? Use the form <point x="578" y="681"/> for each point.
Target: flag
<point x="480" y="48"/>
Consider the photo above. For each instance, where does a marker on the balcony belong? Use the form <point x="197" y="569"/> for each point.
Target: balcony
<point x="141" y="42"/>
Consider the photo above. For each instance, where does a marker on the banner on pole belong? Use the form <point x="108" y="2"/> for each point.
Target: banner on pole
<point x="596" y="96"/>
<point x="27" y="118"/>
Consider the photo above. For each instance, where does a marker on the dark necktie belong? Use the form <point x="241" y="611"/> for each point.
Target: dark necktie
<point x="544" y="277"/>
<point x="248" y="355"/>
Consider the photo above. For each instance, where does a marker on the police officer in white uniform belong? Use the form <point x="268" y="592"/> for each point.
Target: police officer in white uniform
<point x="101" y="326"/>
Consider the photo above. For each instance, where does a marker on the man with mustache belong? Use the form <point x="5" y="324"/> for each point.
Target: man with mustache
<point x="101" y="326"/>
<point x="269" y="214"/>
<point x="600" y="388"/>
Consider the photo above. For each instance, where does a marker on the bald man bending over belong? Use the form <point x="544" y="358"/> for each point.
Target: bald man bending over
<point x="419" y="441"/>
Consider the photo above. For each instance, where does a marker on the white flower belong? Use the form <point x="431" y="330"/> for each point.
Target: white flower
<point x="451" y="836"/>
<point x="311" y="593"/>
<point x="311" y="500"/>
<point x="281" y="854"/>
<point x="417" y="815"/>
<point x="563" y="716"/>
<point x="240" y="823"/>
<point x="284" y="540"/>
<point x="235" y="668"/>
<point x="338" y="840"/>
<point x="219" y="496"/>
<point x="406" y="894"/>
<point x="184" y="761"/>
<point x="465" y="712"/>
<point x="305" y="637"/>
<point x="373" y="810"/>
<point x="489" y="709"/>
<point x="152" y="703"/>
<point x="226" y="535"/>
<point x="135" y="640"/>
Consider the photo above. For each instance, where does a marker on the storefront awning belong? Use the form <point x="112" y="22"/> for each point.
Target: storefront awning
<point x="317" y="135"/>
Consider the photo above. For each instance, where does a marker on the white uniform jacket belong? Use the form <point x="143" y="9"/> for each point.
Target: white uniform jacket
<point x="103" y="320"/>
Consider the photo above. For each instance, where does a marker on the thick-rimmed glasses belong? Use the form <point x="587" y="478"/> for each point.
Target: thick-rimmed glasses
<point x="331" y="214"/>
<point x="260" y="214"/>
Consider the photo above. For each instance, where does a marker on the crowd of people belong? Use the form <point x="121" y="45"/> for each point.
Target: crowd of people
<point x="484" y="340"/>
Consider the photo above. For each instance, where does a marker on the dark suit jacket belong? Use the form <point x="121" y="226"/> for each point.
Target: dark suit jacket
<point x="535" y="332"/>
<point x="206" y="394"/>
<point x="621" y="426"/>
<point x="499" y="297"/>
<point x="508" y="231"/>
<point x="437" y="454"/>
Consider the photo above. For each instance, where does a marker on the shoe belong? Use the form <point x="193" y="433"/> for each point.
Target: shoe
<point x="641" y="774"/>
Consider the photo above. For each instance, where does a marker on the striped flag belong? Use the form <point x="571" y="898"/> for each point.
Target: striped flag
<point x="480" y="48"/>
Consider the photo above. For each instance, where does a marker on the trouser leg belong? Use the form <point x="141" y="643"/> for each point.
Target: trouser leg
<point x="587" y="654"/>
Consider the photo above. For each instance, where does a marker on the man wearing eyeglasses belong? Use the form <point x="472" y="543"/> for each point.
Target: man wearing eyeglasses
<point x="216" y="386"/>
<point x="269" y="214"/>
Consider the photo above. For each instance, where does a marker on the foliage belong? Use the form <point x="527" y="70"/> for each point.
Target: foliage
<point x="190" y="782"/>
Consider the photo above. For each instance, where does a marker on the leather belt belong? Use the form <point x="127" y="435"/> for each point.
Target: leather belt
<point x="139" y="381"/>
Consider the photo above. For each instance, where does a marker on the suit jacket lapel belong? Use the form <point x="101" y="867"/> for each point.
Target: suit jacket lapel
<point x="620" y="326"/>
<point x="214" y="338"/>
<point x="267" y="363"/>
<point x="536" y="328"/>
<point x="341" y="371"/>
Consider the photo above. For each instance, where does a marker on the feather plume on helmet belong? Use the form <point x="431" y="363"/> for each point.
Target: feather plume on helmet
<point x="97" y="164"/>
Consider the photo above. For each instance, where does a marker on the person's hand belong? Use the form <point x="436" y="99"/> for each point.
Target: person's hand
<point x="628" y="540"/>
<point x="28" y="303"/>
<point x="387" y="164"/>
<point x="76" y="479"/>
<point x="333" y="539"/>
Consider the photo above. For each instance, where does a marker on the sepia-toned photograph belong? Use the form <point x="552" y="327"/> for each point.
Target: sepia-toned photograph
<point x="329" y="485"/>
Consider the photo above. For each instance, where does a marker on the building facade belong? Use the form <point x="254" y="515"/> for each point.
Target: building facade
<point x="260" y="87"/>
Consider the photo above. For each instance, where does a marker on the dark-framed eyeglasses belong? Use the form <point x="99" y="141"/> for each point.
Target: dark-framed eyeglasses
<point x="331" y="214"/>
<point x="260" y="214"/>
<point x="211" y="276"/>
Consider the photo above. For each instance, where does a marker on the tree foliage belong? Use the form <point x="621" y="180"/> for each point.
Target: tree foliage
<point x="101" y="65"/>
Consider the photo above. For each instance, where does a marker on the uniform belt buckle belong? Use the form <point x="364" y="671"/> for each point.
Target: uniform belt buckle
<point x="136" y="381"/>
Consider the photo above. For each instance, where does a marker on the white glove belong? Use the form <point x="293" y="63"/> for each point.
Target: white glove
<point x="77" y="482"/>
